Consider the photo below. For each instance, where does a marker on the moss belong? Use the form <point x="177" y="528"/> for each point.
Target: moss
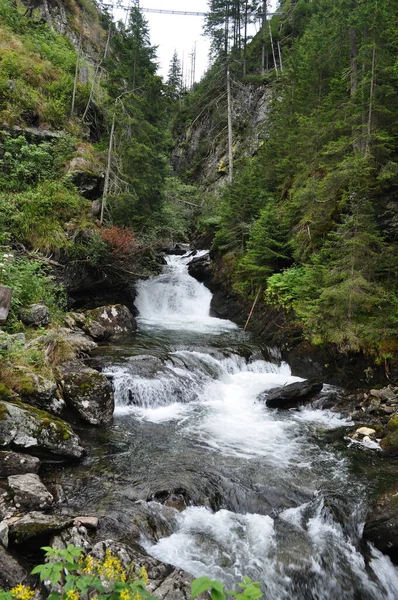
<point x="58" y="427"/>
<point x="392" y="424"/>
<point x="390" y="442"/>
<point x="5" y="392"/>
<point x="3" y="412"/>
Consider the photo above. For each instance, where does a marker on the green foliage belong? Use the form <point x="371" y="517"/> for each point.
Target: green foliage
<point x="249" y="590"/>
<point x="30" y="284"/>
<point x="72" y="575"/>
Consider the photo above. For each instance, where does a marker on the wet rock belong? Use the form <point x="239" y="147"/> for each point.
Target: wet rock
<point x="89" y="393"/>
<point x="381" y="527"/>
<point x="4" y="533"/>
<point x="24" y="427"/>
<point x="30" y="492"/>
<point x="35" y="524"/>
<point x="292" y="395"/>
<point x="390" y="443"/>
<point x="177" y="586"/>
<point x="11" y="572"/>
<point x="392" y="424"/>
<point x="36" y="315"/>
<point x="201" y="268"/>
<point x="106" y="322"/>
<point x="15" y="463"/>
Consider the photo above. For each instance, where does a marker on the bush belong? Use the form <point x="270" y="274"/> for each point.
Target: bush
<point x="30" y="284"/>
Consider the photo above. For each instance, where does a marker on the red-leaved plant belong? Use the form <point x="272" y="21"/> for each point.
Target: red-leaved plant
<point x="121" y="239"/>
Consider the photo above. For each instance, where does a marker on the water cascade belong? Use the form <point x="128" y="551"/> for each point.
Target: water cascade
<point x="265" y="496"/>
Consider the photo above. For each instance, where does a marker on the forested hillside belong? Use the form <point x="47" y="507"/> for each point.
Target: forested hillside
<point x="310" y="218"/>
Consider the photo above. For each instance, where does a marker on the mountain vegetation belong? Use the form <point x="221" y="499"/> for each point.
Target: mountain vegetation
<point x="311" y="215"/>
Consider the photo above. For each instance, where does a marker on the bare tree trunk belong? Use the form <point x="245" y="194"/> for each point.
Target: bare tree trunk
<point x="230" y="133"/>
<point x="264" y="33"/>
<point x="96" y="75"/>
<point x="108" y="166"/>
<point x="280" y="57"/>
<point x="245" y="40"/>
<point x="272" y="46"/>
<point x="353" y="62"/>
<point x="72" y="110"/>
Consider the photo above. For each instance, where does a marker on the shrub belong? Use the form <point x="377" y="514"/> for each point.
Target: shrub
<point x="120" y="239"/>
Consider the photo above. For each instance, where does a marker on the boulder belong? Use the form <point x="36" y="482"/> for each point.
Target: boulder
<point x="14" y="463"/>
<point x="11" y="341"/>
<point x="89" y="393"/>
<point x="200" y="268"/>
<point x="41" y="392"/>
<point x="26" y="428"/>
<point x="34" y="524"/>
<point x="11" y="572"/>
<point x="63" y="345"/>
<point x="36" y="315"/>
<point x="87" y="177"/>
<point x="290" y="396"/>
<point x="366" y="431"/>
<point x="106" y="322"/>
<point x="381" y="526"/>
<point x="30" y="492"/>
<point x="390" y="443"/>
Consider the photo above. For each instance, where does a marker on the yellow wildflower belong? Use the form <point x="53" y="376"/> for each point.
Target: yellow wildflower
<point x="22" y="592"/>
<point x="72" y="595"/>
<point x="125" y="594"/>
<point x="112" y="569"/>
<point x="144" y="575"/>
<point x="90" y="566"/>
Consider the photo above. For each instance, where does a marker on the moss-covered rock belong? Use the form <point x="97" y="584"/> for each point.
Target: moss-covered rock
<point x="88" y="392"/>
<point x="390" y="442"/>
<point x="26" y="428"/>
<point x="36" y="524"/>
<point x="392" y="424"/>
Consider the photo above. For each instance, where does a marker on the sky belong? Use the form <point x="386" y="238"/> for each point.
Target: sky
<point x="177" y="32"/>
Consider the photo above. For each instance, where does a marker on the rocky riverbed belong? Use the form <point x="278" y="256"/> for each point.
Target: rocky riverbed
<point x="171" y="421"/>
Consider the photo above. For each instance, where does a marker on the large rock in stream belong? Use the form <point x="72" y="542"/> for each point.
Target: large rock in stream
<point x="107" y="322"/>
<point x="381" y="527"/>
<point x="88" y="392"/>
<point x="290" y="396"/>
<point x="25" y="428"/>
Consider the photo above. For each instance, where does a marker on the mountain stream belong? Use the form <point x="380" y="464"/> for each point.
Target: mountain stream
<point x="259" y="491"/>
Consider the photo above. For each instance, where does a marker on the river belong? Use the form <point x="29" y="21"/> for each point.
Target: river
<point x="263" y="494"/>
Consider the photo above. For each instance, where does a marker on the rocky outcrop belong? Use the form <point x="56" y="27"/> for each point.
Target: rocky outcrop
<point x="29" y="492"/>
<point x="15" y="463"/>
<point x="87" y="176"/>
<point x="200" y="268"/>
<point x="88" y="393"/>
<point x="36" y="315"/>
<point x="381" y="527"/>
<point x="290" y="396"/>
<point x="25" y="428"/>
<point x="107" y="322"/>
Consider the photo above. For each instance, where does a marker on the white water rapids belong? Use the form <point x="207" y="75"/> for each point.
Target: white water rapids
<point x="207" y="396"/>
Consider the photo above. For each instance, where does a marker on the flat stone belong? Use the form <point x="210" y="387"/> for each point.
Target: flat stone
<point x="366" y="431"/>
<point x="16" y="463"/>
<point x="29" y="491"/>
<point x="35" y="524"/>
<point x="290" y="396"/>
<point x="89" y="522"/>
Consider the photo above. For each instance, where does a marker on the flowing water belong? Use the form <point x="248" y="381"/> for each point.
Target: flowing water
<point x="263" y="494"/>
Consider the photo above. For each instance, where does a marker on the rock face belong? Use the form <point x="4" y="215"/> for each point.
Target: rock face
<point x="381" y="527"/>
<point x="30" y="492"/>
<point x="36" y="315"/>
<point x="26" y="428"/>
<point x="89" y="393"/>
<point x="88" y="179"/>
<point x="290" y="396"/>
<point x="11" y="572"/>
<point x="106" y="322"/>
<point x="14" y="463"/>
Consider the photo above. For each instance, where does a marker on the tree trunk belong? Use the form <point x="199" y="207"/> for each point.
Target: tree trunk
<point x="5" y="302"/>
<point x="230" y="134"/>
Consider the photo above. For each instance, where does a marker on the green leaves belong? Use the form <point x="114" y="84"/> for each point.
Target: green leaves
<point x="249" y="590"/>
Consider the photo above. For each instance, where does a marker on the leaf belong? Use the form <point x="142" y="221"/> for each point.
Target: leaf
<point x="200" y="585"/>
<point x="217" y="595"/>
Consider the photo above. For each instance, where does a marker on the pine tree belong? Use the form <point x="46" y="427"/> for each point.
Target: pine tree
<point x="174" y="79"/>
